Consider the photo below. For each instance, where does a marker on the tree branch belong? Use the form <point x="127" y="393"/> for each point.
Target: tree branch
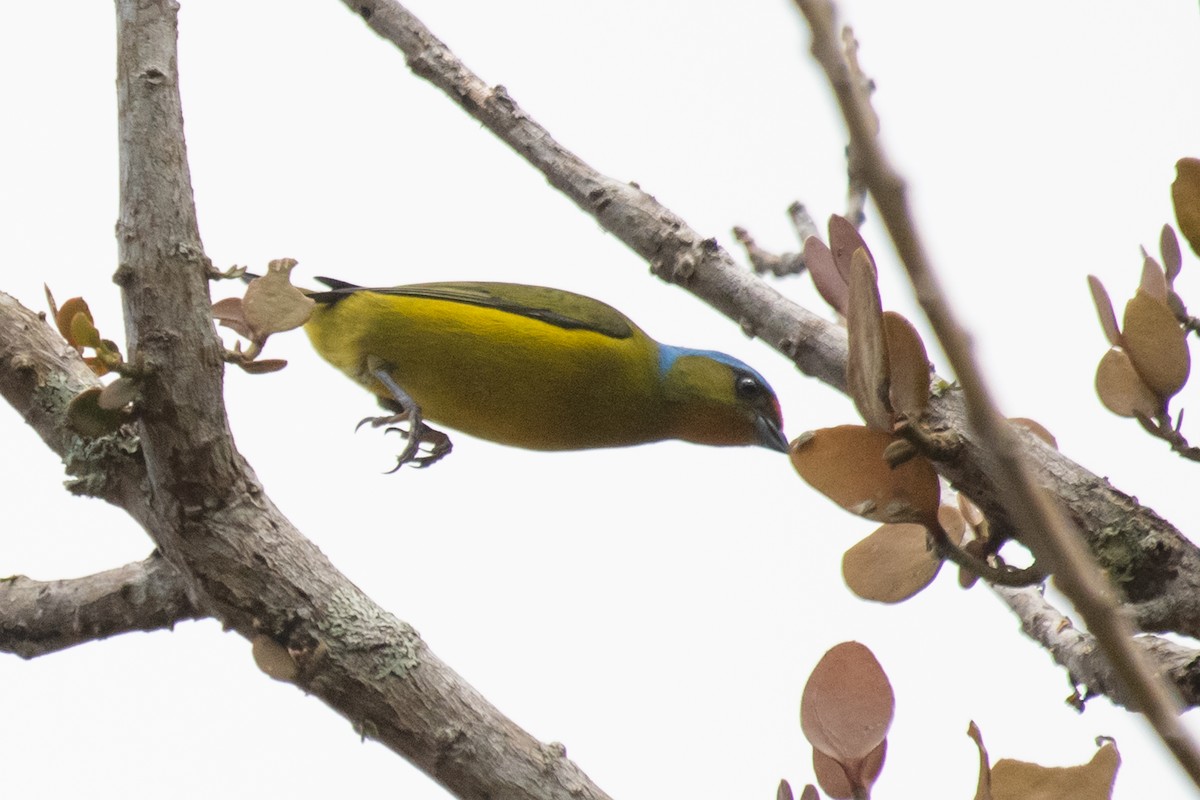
<point x="1039" y="519"/>
<point x="40" y="617"/>
<point x="243" y="560"/>
<point x="1080" y="654"/>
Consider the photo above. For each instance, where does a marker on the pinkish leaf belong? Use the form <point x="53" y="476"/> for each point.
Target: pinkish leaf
<point x="1104" y="307"/>
<point x="867" y="375"/>
<point x="831" y="284"/>
<point x="847" y="704"/>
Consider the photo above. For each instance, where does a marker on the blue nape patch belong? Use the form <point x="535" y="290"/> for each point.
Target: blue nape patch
<point x="668" y="354"/>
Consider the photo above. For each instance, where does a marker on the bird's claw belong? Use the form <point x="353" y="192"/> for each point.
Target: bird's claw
<point x="438" y="446"/>
<point x="423" y="445"/>
<point x="417" y="433"/>
<point x="379" y="422"/>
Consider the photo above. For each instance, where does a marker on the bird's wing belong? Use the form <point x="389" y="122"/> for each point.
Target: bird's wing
<point x="552" y="306"/>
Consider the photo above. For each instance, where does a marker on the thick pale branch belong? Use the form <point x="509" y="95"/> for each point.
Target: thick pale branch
<point x="1079" y="653"/>
<point x="244" y="561"/>
<point x="1036" y="515"/>
<point x="40" y="617"/>
<point x="1159" y="568"/>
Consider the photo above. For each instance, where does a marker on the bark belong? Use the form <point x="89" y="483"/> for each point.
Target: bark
<point x="41" y="617"/>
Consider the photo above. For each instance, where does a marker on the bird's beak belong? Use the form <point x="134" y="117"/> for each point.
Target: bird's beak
<point x="770" y="434"/>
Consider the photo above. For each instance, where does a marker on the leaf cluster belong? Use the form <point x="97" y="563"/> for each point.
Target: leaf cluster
<point x="883" y="470"/>
<point x="1148" y="361"/>
<point x="847" y="709"/>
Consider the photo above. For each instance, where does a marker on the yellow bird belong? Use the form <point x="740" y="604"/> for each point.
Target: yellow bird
<point x="533" y="367"/>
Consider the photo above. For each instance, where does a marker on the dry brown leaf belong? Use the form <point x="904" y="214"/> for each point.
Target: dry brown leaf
<point x="846" y="465"/>
<point x="847" y="704"/>
<point x="892" y="564"/>
<point x="83" y="332"/>
<point x="809" y="793"/>
<point x="1154" y="280"/>
<point x="908" y="366"/>
<point x="272" y="304"/>
<point x="1022" y="780"/>
<point x="831" y="776"/>
<point x="952" y="522"/>
<point x="844" y="240"/>
<point x="97" y="366"/>
<point x="65" y="315"/>
<point x="230" y="312"/>
<point x="970" y="511"/>
<point x="118" y="394"/>
<point x="967" y="515"/>
<point x="867" y="362"/>
<point x="88" y="419"/>
<point x="1036" y="428"/>
<point x="983" y="789"/>
<point x="273" y="658"/>
<point x="1156" y="344"/>
<point x="830" y="283"/>
<point x="1177" y="306"/>
<point x="840" y="780"/>
<point x="50" y="302"/>
<point x="1104" y="308"/>
<point x="1185" y="194"/>
<point x="1168" y="247"/>
<point x="262" y="366"/>
<point x="1121" y="389"/>
<point x="979" y="549"/>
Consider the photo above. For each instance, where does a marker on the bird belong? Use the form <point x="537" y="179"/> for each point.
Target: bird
<point x="531" y="367"/>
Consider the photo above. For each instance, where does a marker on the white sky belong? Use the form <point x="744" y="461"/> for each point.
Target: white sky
<point x="655" y="609"/>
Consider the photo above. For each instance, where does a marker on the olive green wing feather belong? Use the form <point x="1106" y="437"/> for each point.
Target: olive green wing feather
<point x="552" y="306"/>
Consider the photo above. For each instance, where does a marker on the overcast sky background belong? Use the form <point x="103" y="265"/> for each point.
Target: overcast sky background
<point x="655" y="609"/>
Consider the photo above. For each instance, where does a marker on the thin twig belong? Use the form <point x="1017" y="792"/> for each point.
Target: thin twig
<point x="1012" y="577"/>
<point x="1044" y="527"/>
<point x="1161" y="427"/>
<point x="40" y="617"/>
<point x="802" y="222"/>
<point x="764" y="261"/>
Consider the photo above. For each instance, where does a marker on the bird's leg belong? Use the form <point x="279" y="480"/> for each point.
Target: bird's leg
<point x="407" y="410"/>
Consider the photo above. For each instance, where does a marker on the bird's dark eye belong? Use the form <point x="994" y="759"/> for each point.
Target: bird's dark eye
<point x="747" y="388"/>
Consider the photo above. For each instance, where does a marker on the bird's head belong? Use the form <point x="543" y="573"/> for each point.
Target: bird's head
<point x="716" y="399"/>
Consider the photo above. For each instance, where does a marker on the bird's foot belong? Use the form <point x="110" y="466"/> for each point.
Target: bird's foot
<point x="427" y="447"/>
<point x="423" y="446"/>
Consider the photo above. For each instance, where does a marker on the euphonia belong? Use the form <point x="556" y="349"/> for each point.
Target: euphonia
<point x="533" y="367"/>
